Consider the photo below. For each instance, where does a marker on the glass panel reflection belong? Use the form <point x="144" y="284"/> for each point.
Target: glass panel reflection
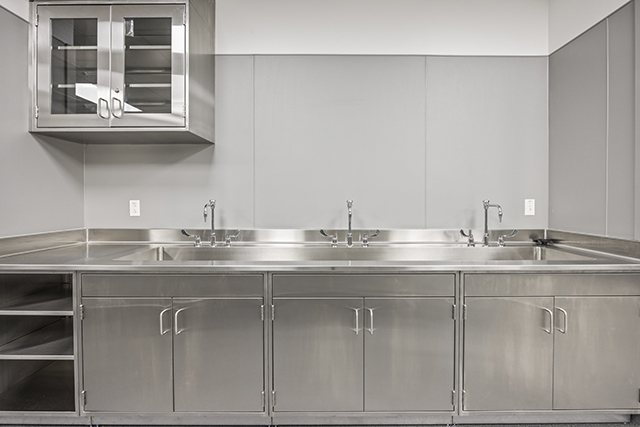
<point x="147" y="65"/>
<point x="74" y="66"/>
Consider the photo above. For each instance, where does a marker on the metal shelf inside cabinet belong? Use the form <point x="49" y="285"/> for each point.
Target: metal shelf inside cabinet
<point x="53" y="342"/>
<point x="49" y="389"/>
<point x="54" y="301"/>
<point x="148" y="47"/>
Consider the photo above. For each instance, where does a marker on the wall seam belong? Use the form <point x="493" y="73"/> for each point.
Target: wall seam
<point x="253" y="118"/>
<point x="426" y="145"/>
<point x="606" y="140"/>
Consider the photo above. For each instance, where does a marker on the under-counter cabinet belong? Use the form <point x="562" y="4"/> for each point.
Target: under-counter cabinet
<point x="123" y="72"/>
<point x="551" y="342"/>
<point x="363" y="343"/>
<point x="163" y="343"/>
<point x="36" y="343"/>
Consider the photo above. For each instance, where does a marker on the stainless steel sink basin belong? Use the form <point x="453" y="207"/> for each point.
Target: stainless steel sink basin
<point x="396" y="253"/>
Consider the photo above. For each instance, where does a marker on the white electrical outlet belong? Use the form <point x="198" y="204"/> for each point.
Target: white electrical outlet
<point x="529" y="206"/>
<point x="134" y="207"/>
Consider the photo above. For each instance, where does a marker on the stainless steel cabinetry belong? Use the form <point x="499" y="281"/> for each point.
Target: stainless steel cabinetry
<point x="597" y="353"/>
<point x="127" y="357"/>
<point x="358" y="343"/>
<point x="409" y="354"/>
<point x="174" y="352"/>
<point x="113" y="67"/>
<point x="218" y="354"/>
<point x="551" y="342"/>
<point x="318" y="354"/>
<point x="508" y="353"/>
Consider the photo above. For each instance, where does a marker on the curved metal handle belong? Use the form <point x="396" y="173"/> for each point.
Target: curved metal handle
<point x="100" y="101"/>
<point x="227" y="238"/>
<point x="113" y="108"/>
<point x="503" y="236"/>
<point x="357" y="330"/>
<point x="371" y="324"/>
<point x="334" y="238"/>
<point x="566" y="321"/>
<point x="175" y="321"/>
<point x="465" y="234"/>
<point x="162" y="331"/>
<point x="550" y="330"/>
<point x="325" y="234"/>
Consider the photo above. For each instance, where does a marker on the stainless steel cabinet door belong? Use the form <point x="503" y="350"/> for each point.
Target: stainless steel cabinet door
<point x="409" y="354"/>
<point x="73" y="66"/>
<point x="508" y="353"/>
<point x="127" y="354"/>
<point x="597" y="353"/>
<point x="218" y="354"/>
<point x="148" y="65"/>
<point x="318" y="354"/>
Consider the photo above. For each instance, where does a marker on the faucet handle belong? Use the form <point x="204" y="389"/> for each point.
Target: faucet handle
<point x="471" y="242"/>
<point x="334" y="238"/>
<point x="228" y="237"/>
<point x="197" y="243"/>
<point x="366" y="237"/>
<point x="503" y="236"/>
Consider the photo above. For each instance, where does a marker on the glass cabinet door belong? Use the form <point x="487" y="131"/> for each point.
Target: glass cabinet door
<point x="73" y="66"/>
<point x="148" y="61"/>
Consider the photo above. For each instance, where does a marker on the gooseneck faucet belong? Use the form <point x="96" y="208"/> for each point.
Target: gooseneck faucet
<point x="349" y="232"/>
<point x="211" y="204"/>
<point x="485" y="236"/>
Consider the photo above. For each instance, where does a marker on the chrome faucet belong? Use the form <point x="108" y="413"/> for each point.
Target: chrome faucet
<point x="485" y="236"/>
<point x="211" y="204"/>
<point x="349" y="233"/>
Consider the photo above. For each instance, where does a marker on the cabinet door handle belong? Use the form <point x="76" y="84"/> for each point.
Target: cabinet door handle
<point x="175" y="321"/>
<point x="162" y="330"/>
<point x="357" y="311"/>
<point x="113" y="108"/>
<point x="371" y="317"/>
<point x="106" y="103"/>
<point x="550" y="330"/>
<point x="566" y="321"/>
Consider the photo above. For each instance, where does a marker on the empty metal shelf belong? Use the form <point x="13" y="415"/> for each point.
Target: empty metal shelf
<point x="53" y="342"/>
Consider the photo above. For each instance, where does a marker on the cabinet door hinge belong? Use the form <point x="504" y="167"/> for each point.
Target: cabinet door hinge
<point x="184" y="18"/>
<point x="464" y="311"/>
<point x="37" y="20"/>
<point x="37" y="111"/>
<point x="81" y="311"/>
<point x="263" y="400"/>
<point x="273" y="311"/>
<point x="454" y="312"/>
<point x="84" y="397"/>
<point x="184" y="111"/>
<point x="262" y="312"/>
<point x="464" y="399"/>
<point x="273" y="399"/>
<point x="453" y="397"/>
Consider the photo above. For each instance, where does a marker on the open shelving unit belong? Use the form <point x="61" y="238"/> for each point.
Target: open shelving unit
<point x="36" y="343"/>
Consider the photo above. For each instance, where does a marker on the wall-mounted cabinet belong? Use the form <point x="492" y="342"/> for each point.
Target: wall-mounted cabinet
<point x="124" y="73"/>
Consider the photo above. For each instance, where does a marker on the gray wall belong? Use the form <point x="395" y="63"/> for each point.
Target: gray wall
<point x="415" y="141"/>
<point x="41" y="181"/>
<point x="592" y="132"/>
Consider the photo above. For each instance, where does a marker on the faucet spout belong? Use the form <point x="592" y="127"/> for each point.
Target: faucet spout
<point x="211" y="204"/>
<point x="486" y="204"/>
<point x="349" y="232"/>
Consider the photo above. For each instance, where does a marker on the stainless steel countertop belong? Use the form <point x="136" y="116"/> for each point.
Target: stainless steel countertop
<point x="107" y="257"/>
